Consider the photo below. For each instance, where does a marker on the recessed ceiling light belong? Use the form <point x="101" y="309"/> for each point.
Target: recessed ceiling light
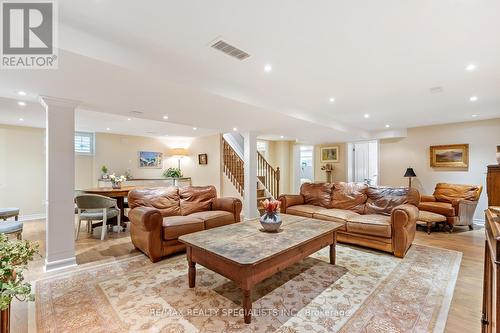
<point x="235" y="129"/>
<point x="473" y="98"/>
<point x="195" y="128"/>
<point x="165" y="117"/>
<point x="268" y="68"/>
<point x="366" y="115"/>
<point x="129" y="119"/>
<point x="387" y="126"/>
<point x="107" y="128"/>
<point x="282" y="136"/>
<point x="21" y="93"/>
<point x="331" y="99"/>
<point x="470" y="67"/>
<point x="21" y="103"/>
<point x="21" y="119"/>
<point x="474" y="115"/>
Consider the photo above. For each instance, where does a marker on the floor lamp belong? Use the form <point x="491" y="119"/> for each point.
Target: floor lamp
<point x="409" y="174"/>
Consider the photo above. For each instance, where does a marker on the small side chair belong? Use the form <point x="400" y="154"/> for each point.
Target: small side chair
<point x="94" y="208"/>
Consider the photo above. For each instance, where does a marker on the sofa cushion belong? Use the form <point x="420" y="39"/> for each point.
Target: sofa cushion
<point x="303" y="210"/>
<point x="350" y="196"/>
<point x="165" y="199"/>
<point x="382" y="200"/>
<point x="373" y="224"/>
<point x="442" y="208"/>
<point x="214" y="218"/>
<point x="335" y="215"/>
<point x="319" y="194"/>
<point x="175" y="226"/>
<point x="449" y="192"/>
<point x="196" y="198"/>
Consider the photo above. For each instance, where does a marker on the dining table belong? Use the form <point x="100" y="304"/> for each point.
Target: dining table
<point x="116" y="193"/>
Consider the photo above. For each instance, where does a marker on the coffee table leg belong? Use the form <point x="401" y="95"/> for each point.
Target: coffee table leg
<point x="247" y="306"/>
<point x="332" y="249"/>
<point x="192" y="274"/>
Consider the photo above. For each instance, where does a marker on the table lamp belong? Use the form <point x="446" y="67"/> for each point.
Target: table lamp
<point x="409" y="173"/>
<point x="179" y="153"/>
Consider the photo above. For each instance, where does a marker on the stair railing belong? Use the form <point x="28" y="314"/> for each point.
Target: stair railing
<point x="233" y="166"/>
<point x="269" y="176"/>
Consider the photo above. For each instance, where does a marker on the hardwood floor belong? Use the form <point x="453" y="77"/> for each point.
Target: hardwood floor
<point x="465" y="311"/>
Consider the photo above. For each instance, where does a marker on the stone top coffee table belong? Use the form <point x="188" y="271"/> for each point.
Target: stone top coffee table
<point x="246" y="255"/>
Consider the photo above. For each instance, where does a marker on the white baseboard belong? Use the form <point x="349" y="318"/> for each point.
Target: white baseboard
<point x="59" y="264"/>
<point x="31" y="217"/>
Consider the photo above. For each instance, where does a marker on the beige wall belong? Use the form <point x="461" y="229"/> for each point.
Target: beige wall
<point x="22" y="169"/>
<point x="339" y="173"/>
<point x="280" y="155"/>
<point x="398" y="154"/>
<point x="22" y="166"/>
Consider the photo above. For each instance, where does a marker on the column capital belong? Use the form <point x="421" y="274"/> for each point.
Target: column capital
<point x="48" y="101"/>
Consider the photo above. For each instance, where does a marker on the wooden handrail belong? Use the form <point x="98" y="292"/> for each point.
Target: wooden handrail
<point x="233" y="166"/>
<point x="234" y="170"/>
<point x="269" y="176"/>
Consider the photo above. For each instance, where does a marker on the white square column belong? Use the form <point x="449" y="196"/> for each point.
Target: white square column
<point x="250" y="174"/>
<point x="60" y="182"/>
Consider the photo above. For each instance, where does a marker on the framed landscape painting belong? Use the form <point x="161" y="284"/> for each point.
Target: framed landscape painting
<point x="450" y="156"/>
<point x="149" y="159"/>
<point x="330" y="154"/>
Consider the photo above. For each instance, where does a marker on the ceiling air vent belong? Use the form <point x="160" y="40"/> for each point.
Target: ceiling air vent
<point x="136" y="112"/>
<point x="230" y="50"/>
<point x="436" y="90"/>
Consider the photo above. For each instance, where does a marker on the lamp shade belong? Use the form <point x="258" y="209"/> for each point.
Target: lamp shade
<point x="178" y="152"/>
<point x="410" y="173"/>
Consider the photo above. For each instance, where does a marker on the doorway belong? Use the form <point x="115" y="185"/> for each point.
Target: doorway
<point x="306" y="164"/>
<point x="363" y="160"/>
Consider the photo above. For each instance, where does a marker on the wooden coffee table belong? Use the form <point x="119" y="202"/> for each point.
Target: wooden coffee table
<point x="246" y="255"/>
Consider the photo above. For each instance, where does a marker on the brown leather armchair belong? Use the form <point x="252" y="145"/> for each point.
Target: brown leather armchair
<point x="455" y="201"/>
<point x="382" y="218"/>
<point x="160" y="215"/>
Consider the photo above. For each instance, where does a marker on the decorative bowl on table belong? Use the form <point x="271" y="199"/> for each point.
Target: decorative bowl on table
<point x="116" y="181"/>
<point x="271" y="220"/>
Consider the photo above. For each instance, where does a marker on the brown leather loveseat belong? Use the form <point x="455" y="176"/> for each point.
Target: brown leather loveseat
<point x="160" y="215"/>
<point x="382" y="218"/>
<point x="455" y="201"/>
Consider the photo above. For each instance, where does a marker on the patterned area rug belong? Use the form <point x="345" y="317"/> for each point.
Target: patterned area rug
<point x="366" y="291"/>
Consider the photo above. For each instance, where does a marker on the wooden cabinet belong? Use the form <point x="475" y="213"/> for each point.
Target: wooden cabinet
<point x="493" y="185"/>
<point x="491" y="291"/>
<point x="491" y="296"/>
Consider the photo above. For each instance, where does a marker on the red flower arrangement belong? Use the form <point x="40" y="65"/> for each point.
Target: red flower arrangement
<point x="271" y="206"/>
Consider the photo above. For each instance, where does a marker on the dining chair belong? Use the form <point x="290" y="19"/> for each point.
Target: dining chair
<point x="93" y="207"/>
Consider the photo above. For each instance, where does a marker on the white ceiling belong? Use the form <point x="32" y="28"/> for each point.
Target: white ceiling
<point x="375" y="57"/>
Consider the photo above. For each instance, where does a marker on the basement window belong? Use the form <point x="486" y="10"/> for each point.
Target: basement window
<point x="84" y="143"/>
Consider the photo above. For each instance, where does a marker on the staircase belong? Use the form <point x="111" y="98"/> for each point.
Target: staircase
<point x="268" y="178"/>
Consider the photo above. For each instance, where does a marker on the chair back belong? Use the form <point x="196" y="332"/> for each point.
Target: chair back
<point x="445" y="192"/>
<point x="94" y="201"/>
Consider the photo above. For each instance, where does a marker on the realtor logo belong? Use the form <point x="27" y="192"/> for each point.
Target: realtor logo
<point x="28" y="35"/>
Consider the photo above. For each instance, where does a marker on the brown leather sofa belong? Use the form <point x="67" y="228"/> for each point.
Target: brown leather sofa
<point x="160" y="215"/>
<point x="455" y="201"/>
<point x="382" y="218"/>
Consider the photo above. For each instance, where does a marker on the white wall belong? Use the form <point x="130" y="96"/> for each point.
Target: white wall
<point x="22" y="169"/>
<point x="398" y="154"/>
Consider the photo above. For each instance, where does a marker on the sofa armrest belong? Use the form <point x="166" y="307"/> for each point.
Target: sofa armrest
<point x="404" y="220"/>
<point x="146" y="228"/>
<point x="287" y="200"/>
<point x="231" y="205"/>
<point x="427" y="198"/>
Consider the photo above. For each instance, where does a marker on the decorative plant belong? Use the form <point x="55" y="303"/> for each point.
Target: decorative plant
<point x="271" y="206"/>
<point x="104" y="169"/>
<point x="14" y="258"/>
<point x="117" y="179"/>
<point x="172" y="173"/>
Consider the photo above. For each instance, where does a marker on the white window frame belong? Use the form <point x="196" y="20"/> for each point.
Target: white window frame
<point x="91" y="143"/>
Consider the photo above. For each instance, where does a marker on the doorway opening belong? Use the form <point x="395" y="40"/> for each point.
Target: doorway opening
<point x="306" y="161"/>
<point x="363" y="162"/>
